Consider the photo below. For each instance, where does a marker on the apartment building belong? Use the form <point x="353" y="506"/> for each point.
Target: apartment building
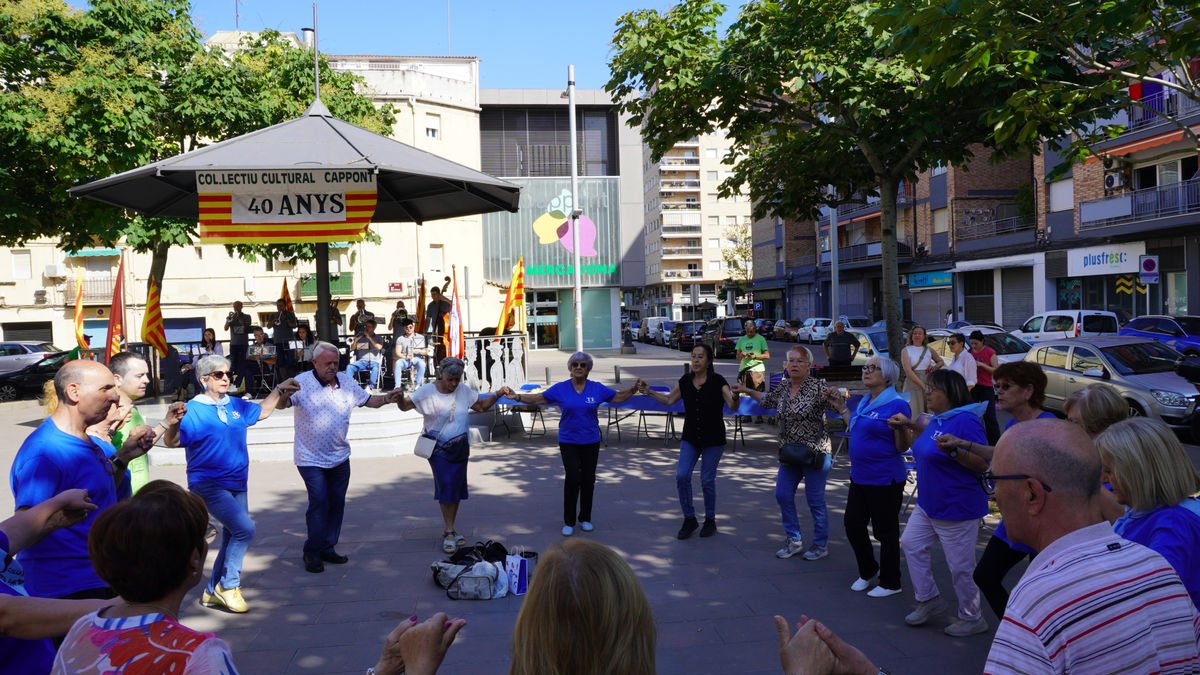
<point x="687" y="227"/>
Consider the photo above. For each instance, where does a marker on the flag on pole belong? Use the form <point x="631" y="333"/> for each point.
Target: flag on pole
<point x="287" y="298"/>
<point x="80" y="339"/>
<point x="116" y="315"/>
<point x="514" y="299"/>
<point x="456" y="345"/>
<point x="421" y="305"/>
<point x="152" y="324"/>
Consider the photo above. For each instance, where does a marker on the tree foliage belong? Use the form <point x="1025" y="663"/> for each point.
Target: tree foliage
<point x="1056" y="69"/>
<point x="85" y="94"/>
<point x="738" y="256"/>
<point x="818" y="108"/>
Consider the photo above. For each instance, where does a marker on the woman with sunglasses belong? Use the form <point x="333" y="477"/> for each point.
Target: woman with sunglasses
<point x="949" y="501"/>
<point x="213" y="433"/>
<point x="961" y="361"/>
<point x="1020" y="391"/>
<point x="877" y="479"/>
<point x="579" y="401"/>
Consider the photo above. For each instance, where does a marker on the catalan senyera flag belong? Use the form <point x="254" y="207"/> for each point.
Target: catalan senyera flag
<point x="152" y="324"/>
<point x="515" y="297"/>
<point x="116" y="315"/>
<point x="456" y="345"/>
<point x="79" y="337"/>
<point x="421" y="305"/>
<point x="287" y="297"/>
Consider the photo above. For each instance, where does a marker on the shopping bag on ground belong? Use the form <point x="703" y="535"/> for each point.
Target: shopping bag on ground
<point x="520" y="565"/>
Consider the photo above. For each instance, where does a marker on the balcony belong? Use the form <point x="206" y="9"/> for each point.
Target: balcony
<point x="1016" y="231"/>
<point x="867" y="252"/>
<point x="668" y="163"/>
<point x="681" y="206"/>
<point x="1157" y="205"/>
<point x="339" y="284"/>
<point x="1160" y="108"/>
<point x="683" y="252"/>
<point x="681" y="231"/>
<point x="668" y="184"/>
<point x="97" y="289"/>
<point x="682" y="274"/>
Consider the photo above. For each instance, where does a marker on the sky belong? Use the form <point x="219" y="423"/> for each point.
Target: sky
<point x="520" y="43"/>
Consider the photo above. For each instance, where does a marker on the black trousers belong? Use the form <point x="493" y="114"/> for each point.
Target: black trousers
<point x="998" y="559"/>
<point x="879" y="506"/>
<point x="980" y="394"/>
<point x="237" y="361"/>
<point x="579" y="464"/>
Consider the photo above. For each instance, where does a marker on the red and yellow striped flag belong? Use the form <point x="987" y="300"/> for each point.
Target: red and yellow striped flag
<point x="421" y="305"/>
<point x="79" y="337"/>
<point x="286" y="296"/>
<point x="515" y="297"/>
<point x="116" y="315"/>
<point x="152" y="324"/>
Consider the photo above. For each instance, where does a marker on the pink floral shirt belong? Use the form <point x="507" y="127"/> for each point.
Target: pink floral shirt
<point x="148" y="644"/>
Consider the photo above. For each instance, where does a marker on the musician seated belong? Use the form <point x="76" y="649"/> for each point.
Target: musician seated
<point x="411" y="352"/>
<point x="368" y="353"/>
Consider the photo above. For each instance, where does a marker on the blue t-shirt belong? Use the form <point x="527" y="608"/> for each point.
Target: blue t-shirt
<point x="873" y="456"/>
<point x="1172" y="532"/>
<point x="20" y="656"/>
<point x="947" y="490"/>
<point x="51" y="461"/>
<point x="1001" y="532"/>
<point x="216" y="451"/>
<point x="580" y="421"/>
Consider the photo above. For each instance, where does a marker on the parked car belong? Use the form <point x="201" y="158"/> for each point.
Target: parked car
<point x="660" y="338"/>
<point x="766" y="327"/>
<point x="1142" y="370"/>
<point x="722" y="334"/>
<point x="683" y="335"/>
<point x="871" y="342"/>
<point x="814" y="329"/>
<point x="28" y="381"/>
<point x="16" y="354"/>
<point x="905" y="325"/>
<point x="961" y="326"/>
<point x="1068" y="323"/>
<point x="1181" y="333"/>
<point x="857" y="321"/>
<point x="786" y="330"/>
<point x="650" y="328"/>
<point x="1008" y="347"/>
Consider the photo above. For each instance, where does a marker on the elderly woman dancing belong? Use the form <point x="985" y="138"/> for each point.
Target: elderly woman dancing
<point x="877" y="478"/>
<point x="800" y="403"/>
<point x="579" y="400"/>
<point x="446" y="404"/>
<point x="213" y="432"/>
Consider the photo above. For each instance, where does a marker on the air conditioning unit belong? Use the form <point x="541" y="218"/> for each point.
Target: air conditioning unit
<point x="58" y="271"/>
<point x="1114" y="181"/>
<point x="1114" y="163"/>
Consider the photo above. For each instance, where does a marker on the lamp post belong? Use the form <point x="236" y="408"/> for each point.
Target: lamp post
<point x="575" y="210"/>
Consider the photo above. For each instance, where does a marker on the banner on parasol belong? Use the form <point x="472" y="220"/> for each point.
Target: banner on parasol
<point x="285" y="206"/>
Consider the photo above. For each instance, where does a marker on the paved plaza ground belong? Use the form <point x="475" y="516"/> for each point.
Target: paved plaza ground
<point x="713" y="598"/>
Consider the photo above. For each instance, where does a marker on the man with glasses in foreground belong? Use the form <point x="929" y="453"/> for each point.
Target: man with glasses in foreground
<point x="1090" y="602"/>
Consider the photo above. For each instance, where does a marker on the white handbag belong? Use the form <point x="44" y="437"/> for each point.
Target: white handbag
<point x="426" y="443"/>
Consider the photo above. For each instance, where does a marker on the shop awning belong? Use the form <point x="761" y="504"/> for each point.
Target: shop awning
<point x="994" y="263"/>
<point x="95" y="253"/>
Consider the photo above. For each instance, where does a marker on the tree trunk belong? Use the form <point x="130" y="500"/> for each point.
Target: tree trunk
<point x="158" y="266"/>
<point x="892" y="306"/>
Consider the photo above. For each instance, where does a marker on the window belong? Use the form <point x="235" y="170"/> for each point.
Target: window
<point x="437" y="260"/>
<point x="714" y="266"/>
<point x="1099" y="323"/>
<point x="938" y="169"/>
<point x="1060" y="323"/>
<point x="712" y="176"/>
<point x="1084" y="360"/>
<point x="1033" y="325"/>
<point x="730" y="221"/>
<point x="22" y="264"/>
<point x="941" y="220"/>
<point x="714" y="221"/>
<point x="1054" y="356"/>
<point x="1062" y="195"/>
<point x="714" y="242"/>
<point x="779" y="254"/>
<point x="710" y="153"/>
<point x="433" y="126"/>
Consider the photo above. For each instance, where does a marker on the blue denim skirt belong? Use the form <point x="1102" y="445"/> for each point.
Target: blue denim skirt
<point x="449" y="479"/>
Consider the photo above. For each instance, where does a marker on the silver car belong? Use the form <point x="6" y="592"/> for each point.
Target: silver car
<point x="871" y="342"/>
<point x="1142" y="370"/>
<point x="1007" y="346"/>
<point x="16" y="354"/>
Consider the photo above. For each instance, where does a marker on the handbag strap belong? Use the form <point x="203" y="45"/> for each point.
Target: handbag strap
<point x="448" y="416"/>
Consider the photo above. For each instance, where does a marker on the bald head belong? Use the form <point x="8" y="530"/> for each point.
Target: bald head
<point x="86" y="390"/>
<point x="76" y="372"/>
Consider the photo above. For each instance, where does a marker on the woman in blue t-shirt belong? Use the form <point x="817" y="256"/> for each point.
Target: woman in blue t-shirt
<point x="950" y="501"/>
<point x="705" y="394"/>
<point x="1151" y="475"/>
<point x="579" y="401"/>
<point x="213" y="434"/>
<point x="877" y="475"/>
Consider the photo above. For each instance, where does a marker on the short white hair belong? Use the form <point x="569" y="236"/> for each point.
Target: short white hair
<point x="211" y="363"/>
<point x="887" y="368"/>
<point x="320" y="347"/>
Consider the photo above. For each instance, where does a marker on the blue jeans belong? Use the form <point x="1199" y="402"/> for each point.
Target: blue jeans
<point x="709" y="458"/>
<point x="326" y="506"/>
<point x="364" y="364"/>
<point x="786" y="482"/>
<point x="417" y="364"/>
<point x="232" y="510"/>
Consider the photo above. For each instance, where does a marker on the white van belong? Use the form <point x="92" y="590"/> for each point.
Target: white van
<point x="1068" y="323"/>
<point x="651" y="330"/>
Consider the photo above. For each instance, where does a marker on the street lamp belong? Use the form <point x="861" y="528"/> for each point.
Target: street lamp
<point x="575" y="210"/>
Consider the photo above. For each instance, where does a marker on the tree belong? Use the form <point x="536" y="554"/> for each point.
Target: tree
<point x="87" y="94"/>
<point x="1061" y="70"/>
<point x="817" y="105"/>
<point x="739" y="256"/>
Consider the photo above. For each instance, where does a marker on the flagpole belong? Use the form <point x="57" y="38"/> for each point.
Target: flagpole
<point x="575" y="210"/>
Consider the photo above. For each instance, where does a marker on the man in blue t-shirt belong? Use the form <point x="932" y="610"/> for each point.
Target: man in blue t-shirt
<point x="26" y="642"/>
<point x="60" y="455"/>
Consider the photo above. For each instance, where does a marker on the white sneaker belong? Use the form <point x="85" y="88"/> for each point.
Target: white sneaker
<point x="586" y="526"/>
<point x="860" y="584"/>
<point x="881" y="592"/>
<point x="568" y="530"/>
<point x="793" y="547"/>
<point x="924" y="611"/>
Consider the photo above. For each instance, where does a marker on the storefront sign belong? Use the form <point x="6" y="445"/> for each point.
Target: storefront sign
<point x="562" y="270"/>
<point x="1108" y="259"/>
<point x="395" y="287"/>
<point x="294" y="206"/>
<point x="930" y="279"/>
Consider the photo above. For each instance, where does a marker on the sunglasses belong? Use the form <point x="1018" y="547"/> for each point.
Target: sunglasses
<point x="1005" y="386"/>
<point x="871" y="368"/>
<point x="219" y="374"/>
<point x="987" y="481"/>
<point x="578" y="364"/>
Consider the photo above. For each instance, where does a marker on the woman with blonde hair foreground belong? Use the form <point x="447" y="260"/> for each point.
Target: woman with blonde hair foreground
<point x="1151" y="475"/>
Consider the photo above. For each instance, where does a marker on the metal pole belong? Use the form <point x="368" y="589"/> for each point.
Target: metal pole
<point x="575" y="210"/>
<point x="324" y="326"/>
<point x="316" y="57"/>
<point x="833" y="266"/>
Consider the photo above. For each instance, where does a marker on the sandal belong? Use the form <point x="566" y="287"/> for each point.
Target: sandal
<point x="459" y="540"/>
<point x="450" y="542"/>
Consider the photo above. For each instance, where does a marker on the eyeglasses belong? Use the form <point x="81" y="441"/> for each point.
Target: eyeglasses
<point x="798" y="362"/>
<point x="578" y="364"/>
<point x="871" y="368"/>
<point x="219" y="374"/>
<point x="929" y="390"/>
<point x="1004" y="386"/>
<point x="987" y="481"/>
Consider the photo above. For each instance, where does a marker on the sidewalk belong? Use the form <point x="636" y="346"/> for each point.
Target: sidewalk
<point x="713" y="598"/>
